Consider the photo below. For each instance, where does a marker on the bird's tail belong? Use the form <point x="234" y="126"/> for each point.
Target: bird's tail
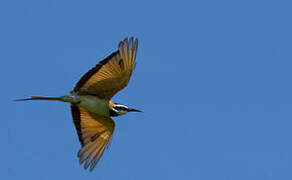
<point x="42" y="98"/>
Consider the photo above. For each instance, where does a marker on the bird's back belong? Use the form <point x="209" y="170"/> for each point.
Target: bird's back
<point x="94" y="104"/>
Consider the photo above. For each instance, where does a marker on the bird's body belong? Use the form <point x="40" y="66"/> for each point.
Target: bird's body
<point x="90" y="101"/>
<point x="95" y="105"/>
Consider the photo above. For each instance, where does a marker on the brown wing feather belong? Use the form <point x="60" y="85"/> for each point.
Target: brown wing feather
<point x="92" y="71"/>
<point x="111" y="74"/>
<point x="77" y="122"/>
<point x="94" y="133"/>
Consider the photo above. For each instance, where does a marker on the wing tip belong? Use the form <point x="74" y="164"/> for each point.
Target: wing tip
<point x="128" y="48"/>
<point x="127" y="41"/>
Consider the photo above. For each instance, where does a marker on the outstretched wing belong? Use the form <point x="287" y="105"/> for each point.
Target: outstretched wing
<point x="111" y="74"/>
<point x="94" y="134"/>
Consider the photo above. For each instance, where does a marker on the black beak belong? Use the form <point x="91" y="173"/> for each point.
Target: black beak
<point x="134" y="110"/>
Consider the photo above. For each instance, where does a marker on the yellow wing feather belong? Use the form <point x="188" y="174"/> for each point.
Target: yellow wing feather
<point x="94" y="133"/>
<point x="111" y="74"/>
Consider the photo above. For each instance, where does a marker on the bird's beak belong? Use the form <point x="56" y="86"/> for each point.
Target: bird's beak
<point x="134" y="110"/>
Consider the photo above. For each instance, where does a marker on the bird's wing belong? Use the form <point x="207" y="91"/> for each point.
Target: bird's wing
<point x="94" y="134"/>
<point x="111" y="74"/>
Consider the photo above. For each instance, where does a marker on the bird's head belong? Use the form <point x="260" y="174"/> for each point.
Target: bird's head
<point x="119" y="109"/>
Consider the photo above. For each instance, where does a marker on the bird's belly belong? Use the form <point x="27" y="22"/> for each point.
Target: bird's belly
<point x="95" y="105"/>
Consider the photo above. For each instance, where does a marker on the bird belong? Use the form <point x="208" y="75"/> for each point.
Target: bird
<point x="91" y="104"/>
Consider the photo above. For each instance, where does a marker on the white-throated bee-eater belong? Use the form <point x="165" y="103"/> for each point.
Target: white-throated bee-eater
<point x="90" y="101"/>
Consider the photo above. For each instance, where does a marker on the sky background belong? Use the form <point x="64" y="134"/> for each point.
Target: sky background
<point x="213" y="79"/>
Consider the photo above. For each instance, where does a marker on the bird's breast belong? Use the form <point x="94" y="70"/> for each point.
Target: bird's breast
<point x="95" y="105"/>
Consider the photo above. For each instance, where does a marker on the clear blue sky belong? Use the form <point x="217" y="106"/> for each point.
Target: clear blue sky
<point x="213" y="79"/>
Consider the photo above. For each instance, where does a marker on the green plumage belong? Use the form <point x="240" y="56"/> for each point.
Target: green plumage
<point x="91" y="103"/>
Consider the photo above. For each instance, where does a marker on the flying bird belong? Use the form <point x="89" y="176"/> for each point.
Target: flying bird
<point x="91" y="104"/>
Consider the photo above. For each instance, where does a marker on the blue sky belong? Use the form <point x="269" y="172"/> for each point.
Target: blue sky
<point x="213" y="79"/>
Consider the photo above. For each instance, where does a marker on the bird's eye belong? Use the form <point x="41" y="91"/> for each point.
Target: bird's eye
<point x="120" y="108"/>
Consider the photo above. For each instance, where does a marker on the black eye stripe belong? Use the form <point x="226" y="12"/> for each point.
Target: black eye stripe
<point x="119" y="108"/>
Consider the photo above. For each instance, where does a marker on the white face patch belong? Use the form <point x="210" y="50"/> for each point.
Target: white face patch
<point x="120" y="109"/>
